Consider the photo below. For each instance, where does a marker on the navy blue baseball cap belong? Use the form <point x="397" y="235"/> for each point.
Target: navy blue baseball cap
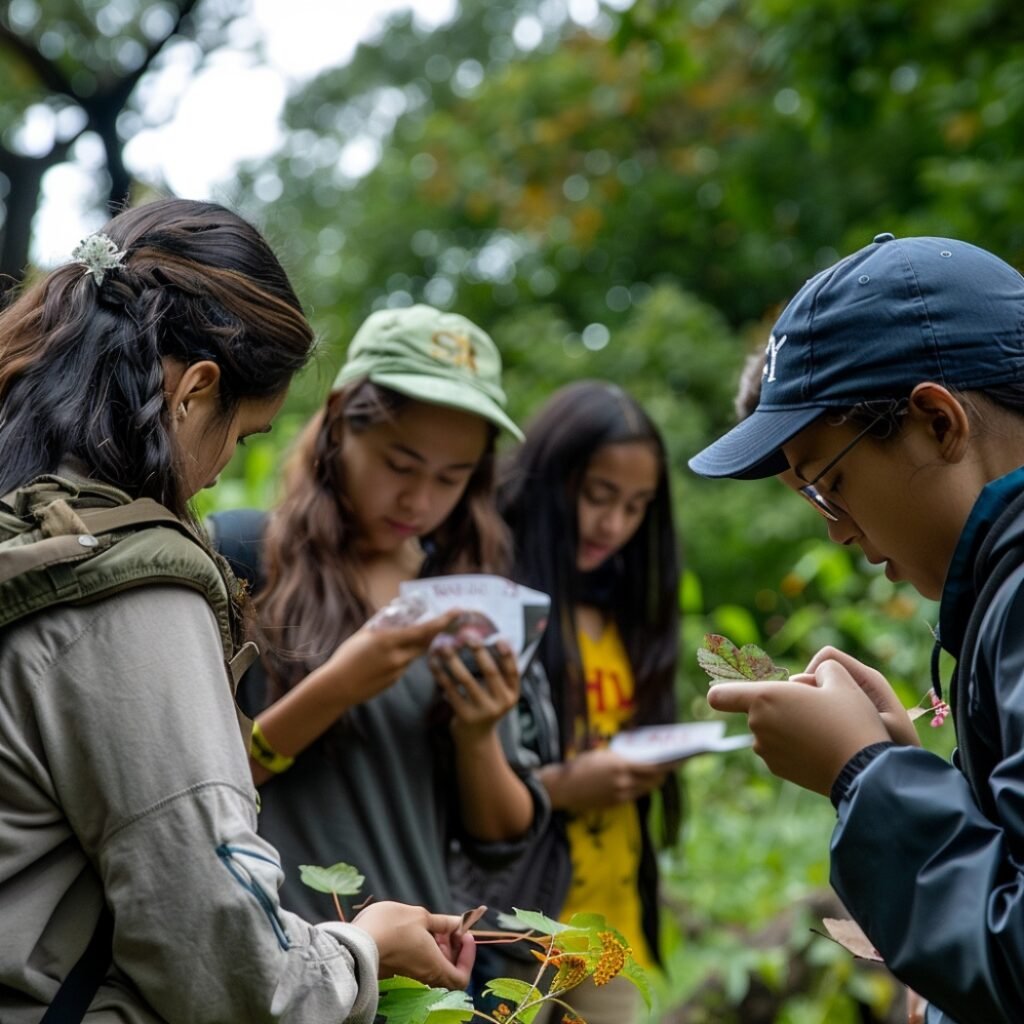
<point x="875" y="325"/>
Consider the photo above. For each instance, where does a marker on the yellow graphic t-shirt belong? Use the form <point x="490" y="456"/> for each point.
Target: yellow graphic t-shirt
<point x="605" y="844"/>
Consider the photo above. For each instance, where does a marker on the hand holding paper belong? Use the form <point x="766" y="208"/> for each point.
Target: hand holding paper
<point x="492" y="608"/>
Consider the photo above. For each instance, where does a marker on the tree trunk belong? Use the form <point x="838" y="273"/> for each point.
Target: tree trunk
<point x="24" y="176"/>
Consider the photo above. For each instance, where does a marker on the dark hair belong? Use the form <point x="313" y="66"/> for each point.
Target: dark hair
<point x="313" y="598"/>
<point x="538" y="496"/>
<point x="892" y="411"/>
<point x="748" y="388"/>
<point x="81" y="375"/>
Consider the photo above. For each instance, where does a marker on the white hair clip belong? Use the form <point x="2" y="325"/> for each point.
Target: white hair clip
<point x="98" y="254"/>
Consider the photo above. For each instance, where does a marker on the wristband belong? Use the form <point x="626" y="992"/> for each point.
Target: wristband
<point x="264" y="754"/>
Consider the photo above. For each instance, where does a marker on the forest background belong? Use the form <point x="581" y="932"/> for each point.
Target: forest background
<point x="628" y="194"/>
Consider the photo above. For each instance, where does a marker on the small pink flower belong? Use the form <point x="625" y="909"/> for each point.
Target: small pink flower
<point x="940" y="710"/>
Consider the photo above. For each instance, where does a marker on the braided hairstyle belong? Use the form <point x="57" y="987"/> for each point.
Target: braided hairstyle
<point x="81" y="371"/>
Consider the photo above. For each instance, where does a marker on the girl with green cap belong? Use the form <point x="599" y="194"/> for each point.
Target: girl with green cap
<point x="369" y="752"/>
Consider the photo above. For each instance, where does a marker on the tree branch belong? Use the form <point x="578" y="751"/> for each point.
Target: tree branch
<point x="123" y="87"/>
<point x="49" y="74"/>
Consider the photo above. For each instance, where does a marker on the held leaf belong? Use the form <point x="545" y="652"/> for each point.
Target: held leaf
<point x="341" y="879"/>
<point x="470" y="918"/>
<point x="723" y="661"/>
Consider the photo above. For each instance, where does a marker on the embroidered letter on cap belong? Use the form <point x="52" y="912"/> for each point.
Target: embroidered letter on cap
<point x="454" y="348"/>
<point x="770" y="355"/>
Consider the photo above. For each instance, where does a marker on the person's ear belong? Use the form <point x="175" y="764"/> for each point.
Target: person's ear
<point x="944" y="418"/>
<point x="196" y="386"/>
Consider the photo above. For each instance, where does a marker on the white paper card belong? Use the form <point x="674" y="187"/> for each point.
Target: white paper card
<point x="663" y="744"/>
<point x="504" y="609"/>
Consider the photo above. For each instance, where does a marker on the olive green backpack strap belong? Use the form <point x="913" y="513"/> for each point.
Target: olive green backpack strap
<point x="62" y="543"/>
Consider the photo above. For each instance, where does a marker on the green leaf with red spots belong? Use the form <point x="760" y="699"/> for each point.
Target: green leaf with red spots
<point x="723" y="661"/>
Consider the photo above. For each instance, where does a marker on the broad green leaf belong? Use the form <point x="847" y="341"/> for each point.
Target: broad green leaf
<point x="404" y="1001"/>
<point x="638" y="976"/>
<point x="526" y="1016"/>
<point x="339" y="878"/>
<point x="510" y="988"/>
<point x="595" y="922"/>
<point x="581" y="941"/>
<point x="532" y="919"/>
<point x="399" y="981"/>
<point x="721" y="659"/>
<point x="452" y="1008"/>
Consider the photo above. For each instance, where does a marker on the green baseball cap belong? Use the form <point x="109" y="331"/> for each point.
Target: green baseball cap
<point x="435" y="357"/>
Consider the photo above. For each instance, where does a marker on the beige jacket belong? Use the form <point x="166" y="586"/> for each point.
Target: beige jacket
<point x="122" y="777"/>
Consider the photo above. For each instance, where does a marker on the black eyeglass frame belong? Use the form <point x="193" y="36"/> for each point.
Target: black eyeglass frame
<point x="809" y="491"/>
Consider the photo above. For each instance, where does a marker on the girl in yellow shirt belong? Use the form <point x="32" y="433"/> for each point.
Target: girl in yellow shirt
<point x="587" y="499"/>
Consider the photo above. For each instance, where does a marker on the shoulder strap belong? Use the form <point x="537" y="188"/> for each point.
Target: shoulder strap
<point x="83" y="981"/>
<point x="238" y="534"/>
<point x="73" y="547"/>
<point x="138" y="513"/>
<point x="62" y="544"/>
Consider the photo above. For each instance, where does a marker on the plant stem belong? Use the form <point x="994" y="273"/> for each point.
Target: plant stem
<point x="549" y="997"/>
<point x="485" y="938"/>
<point x="535" y="987"/>
<point x="337" y="907"/>
<point x="562" y="1003"/>
<point x="511" y="936"/>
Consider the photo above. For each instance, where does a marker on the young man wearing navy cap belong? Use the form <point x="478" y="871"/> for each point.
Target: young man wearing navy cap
<point x="892" y="395"/>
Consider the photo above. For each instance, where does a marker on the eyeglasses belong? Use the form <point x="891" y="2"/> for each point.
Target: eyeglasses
<point x="828" y="509"/>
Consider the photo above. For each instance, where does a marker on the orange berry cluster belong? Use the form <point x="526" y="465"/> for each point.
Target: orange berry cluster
<point x="613" y="958"/>
<point x="572" y="969"/>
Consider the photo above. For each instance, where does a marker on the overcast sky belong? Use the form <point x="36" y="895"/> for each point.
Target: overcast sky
<point x="227" y="113"/>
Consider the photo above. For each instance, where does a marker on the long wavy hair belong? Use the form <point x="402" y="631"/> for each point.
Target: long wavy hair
<point x="81" y="372"/>
<point x="313" y="597"/>
<point x="638" y="588"/>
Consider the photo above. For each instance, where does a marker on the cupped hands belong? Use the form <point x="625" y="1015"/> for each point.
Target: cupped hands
<point x="478" y="700"/>
<point x="806" y="731"/>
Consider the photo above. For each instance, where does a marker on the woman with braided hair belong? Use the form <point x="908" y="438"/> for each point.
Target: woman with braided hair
<point x="133" y="885"/>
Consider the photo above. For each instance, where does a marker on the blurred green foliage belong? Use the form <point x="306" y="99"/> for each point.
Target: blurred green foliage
<point x="633" y="198"/>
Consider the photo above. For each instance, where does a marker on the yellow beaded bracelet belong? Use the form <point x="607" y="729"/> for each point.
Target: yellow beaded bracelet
<point x="264" y="754"/>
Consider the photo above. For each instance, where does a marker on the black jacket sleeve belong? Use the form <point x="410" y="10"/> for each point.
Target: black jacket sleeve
<point x="936" y="884"/>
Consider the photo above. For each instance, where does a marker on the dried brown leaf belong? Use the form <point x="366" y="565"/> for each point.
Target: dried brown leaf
<point x="470" y="918"/>
<point x="851" y="937"/>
